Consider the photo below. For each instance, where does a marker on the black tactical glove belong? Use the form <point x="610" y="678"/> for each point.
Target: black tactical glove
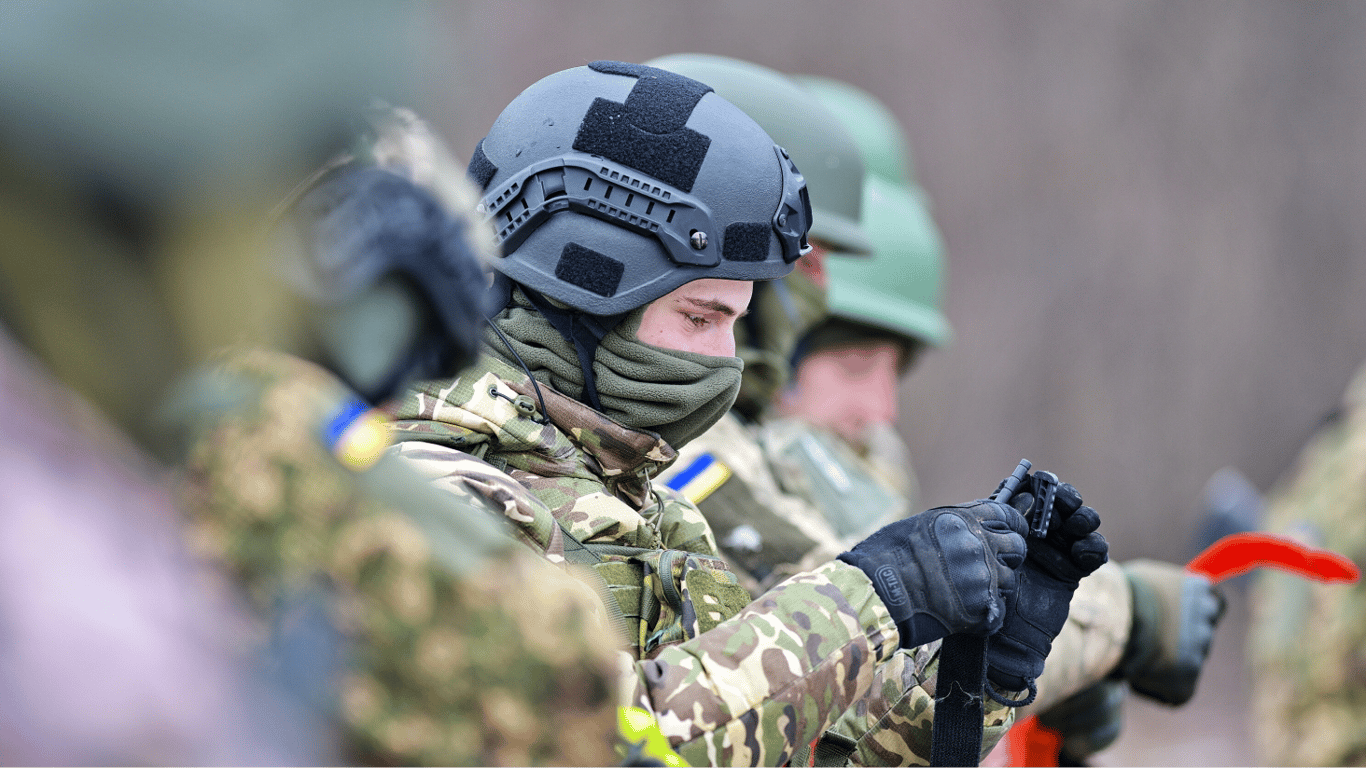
<point x="1175" y="613"/>
<point x="1044" y="586"/>
<point x="946" y="571"/>
<point x="1088" y="721"/>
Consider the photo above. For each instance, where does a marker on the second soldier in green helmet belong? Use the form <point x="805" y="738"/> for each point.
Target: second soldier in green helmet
<point x="885" y="311"/>
<point x="1171" y="615"/>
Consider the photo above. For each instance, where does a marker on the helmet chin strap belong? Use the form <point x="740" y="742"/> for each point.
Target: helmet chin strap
<point x="583" y="330"/>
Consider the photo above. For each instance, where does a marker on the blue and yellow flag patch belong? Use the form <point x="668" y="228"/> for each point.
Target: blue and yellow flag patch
<point x="701" y="478"/>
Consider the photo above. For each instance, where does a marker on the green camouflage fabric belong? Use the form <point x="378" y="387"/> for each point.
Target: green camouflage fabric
<point x="1307" y="647"/>
<point x="450" y="657"/>
<point x="894" y="725"/>
<point x="753" y="689"/>
<point x="855" y="496"/>
<point x="765" y="533"/>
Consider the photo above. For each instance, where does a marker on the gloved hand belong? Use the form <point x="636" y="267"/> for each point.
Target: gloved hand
<point x="1175" y="613"/>
<point x="1045" y="584"/>
<point x="1088" y="721"/>
<point x="945" y="571"/>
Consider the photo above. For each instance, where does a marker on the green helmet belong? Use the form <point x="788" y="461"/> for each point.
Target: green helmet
<point x="881" y="142"/>
<point x="899" y="289"/>
<point x="817" y="141"/>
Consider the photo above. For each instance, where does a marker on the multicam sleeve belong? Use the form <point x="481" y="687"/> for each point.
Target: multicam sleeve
<point x="767" y="681"/>
<point x="474" y="480"/>
<point x="894" y="723"/>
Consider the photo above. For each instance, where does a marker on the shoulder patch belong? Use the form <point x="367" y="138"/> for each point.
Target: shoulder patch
<point x="701" y="478"/>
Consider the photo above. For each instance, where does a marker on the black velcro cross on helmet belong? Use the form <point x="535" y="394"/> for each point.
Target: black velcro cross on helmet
<point x="613" y="184"/>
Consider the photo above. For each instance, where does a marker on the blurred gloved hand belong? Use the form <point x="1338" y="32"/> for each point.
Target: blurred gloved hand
<point x="1045" y="584"/>
<point x="945" y="571"/>
<point x="1175" y="614"/>
<point x="1088" y="721"/>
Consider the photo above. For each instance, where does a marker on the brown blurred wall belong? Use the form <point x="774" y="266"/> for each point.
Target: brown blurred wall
<point x="1153" y="211"/>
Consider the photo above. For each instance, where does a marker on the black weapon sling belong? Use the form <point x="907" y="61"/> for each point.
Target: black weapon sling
<point x="962" y="680"/>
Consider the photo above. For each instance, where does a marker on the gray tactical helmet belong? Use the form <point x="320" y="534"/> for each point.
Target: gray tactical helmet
<point x="819" y="142"/>
<point x="613" y="184"/>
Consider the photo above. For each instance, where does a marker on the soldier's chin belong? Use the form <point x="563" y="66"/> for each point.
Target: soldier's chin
<point x="879" y="438"/>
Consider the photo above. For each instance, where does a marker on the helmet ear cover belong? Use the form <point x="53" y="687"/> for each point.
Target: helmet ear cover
<point x="685" y="194"/>
<point x="359" y="225"/>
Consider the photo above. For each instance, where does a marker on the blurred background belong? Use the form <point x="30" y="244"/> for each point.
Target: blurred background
<point x="1153" y="217"/>
<point x="1154" y="220"/>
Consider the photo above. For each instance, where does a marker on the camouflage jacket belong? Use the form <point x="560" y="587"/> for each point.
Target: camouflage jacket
<point x="857" y="493"/>
<point x="766" y="489"/>
<point x="448" y="658"/>
<point x="748" y="688"/>
<point x="1307" y="644"/>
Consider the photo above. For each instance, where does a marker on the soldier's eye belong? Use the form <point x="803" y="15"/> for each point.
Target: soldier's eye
<point x="698" y="321"/>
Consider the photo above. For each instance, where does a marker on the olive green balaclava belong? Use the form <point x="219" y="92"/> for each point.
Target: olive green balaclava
<point x="677" y="394"/>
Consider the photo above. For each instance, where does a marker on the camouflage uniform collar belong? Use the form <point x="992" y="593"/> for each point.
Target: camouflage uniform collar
<point x="498" y="406"/>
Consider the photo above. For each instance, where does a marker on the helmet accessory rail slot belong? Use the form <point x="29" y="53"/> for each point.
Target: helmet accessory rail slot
<point x="608" y="191"/>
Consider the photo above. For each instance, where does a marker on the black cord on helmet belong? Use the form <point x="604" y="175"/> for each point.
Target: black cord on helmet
<point x="535" y="385"/>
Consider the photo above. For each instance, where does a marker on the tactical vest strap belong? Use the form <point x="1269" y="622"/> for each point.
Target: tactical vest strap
<point x="650" y="614"/>
<point x="834" y="749"/>
<point x="576" y="551"/>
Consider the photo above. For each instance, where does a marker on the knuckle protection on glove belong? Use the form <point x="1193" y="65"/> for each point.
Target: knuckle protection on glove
<point x="1082" y="522"/>
<point x="936" y="573"/>
<point x="1067" y="497"/>
<point x="965" y="560"/>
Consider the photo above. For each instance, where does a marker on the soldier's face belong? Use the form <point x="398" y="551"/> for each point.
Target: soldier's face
<point x="698" y="317"/>
<point x="847" y="389"/>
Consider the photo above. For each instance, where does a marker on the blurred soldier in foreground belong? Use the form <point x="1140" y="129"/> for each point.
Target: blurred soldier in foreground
<point x="439" y="652"/>
<point x="636" y="209"/>
<point x="1307" y="648"/>
<point x="123" y="132"/>
<point x="141" y="146"/>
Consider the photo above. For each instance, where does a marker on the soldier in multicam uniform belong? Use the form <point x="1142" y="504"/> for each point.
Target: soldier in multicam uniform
<point x="1307" y="647"/>
<point x="635" y="208"/>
